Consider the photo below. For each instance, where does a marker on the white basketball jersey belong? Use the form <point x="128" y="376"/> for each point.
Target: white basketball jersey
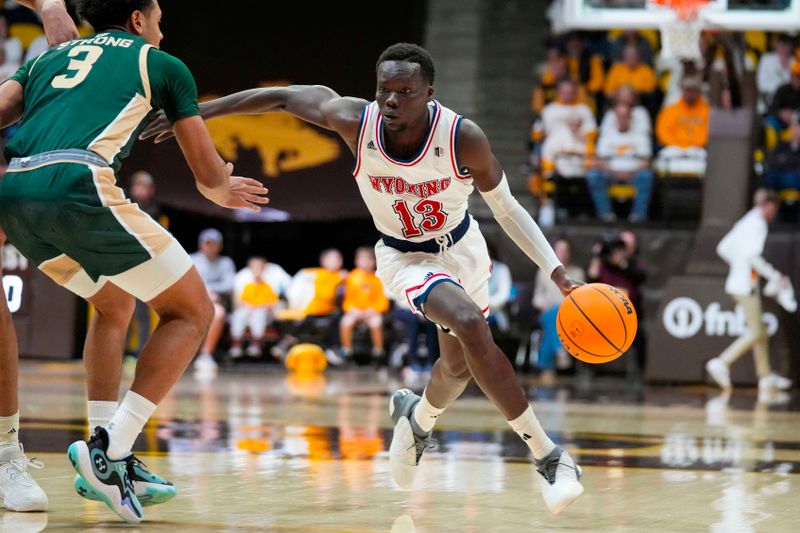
<point x="419" y="199"/>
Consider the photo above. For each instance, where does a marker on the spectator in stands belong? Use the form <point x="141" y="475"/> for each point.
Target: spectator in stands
<point x="315" y="292"/>
<point x="364" y="302"/>
<point x="774" y="69"/>
<point x="142" y="192"/>
<point x="547" y="298"/>
<point x="550" y="74"/>
<point x="786" y="101"/>
<point x="635" y="39"/>
<point x="632" y="71"/>
<point x="12" y="46"/>
<point x="640" y="118"/>
<point x="500" y="292"/>
<point x="570" y="129"/>
<point x="612" y="264"/>
<point x="682" y="128"/>
<point x="783" y="161"/>
<point x="631" y="242"/>
<point x="623" y="156"/>
<point x="218" y="273"/>
<point x="583" y="65"/>
<point x="256" y="295"/>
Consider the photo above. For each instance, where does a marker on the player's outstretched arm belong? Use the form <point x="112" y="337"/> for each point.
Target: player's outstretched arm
<point x="11" y="102"/>
<point x="58" y="25"/>
<point x="316" y="104"/>
<point x="475" y="153"/>
<point x="213" y="175"/>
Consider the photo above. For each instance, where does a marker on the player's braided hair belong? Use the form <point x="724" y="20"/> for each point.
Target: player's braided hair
<point x="412" y="53"/>
<point x="103" y="14"/>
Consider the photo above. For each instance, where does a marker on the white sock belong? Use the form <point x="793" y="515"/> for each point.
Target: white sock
<point x="100" y="413"/>
<point x="9" y="429"/>
<point x="127" y="423"/>
<point x="425" y="414"/>
<point x="528" y="428"/>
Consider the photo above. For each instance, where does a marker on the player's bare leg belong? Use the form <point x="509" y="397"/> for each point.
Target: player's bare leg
<point x="18" y="490"/>
<point x="185" y="314"/>
<point x="449" y="306"/>
<point x="450" y="375"/>
<point x="9" y="356"/>
<point x="105" y="343"/>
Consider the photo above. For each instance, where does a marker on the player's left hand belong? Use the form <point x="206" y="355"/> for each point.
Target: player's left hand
<point x="565" y="284"/>
<point x="58" y="25"/>
<point x="159" y="127"/>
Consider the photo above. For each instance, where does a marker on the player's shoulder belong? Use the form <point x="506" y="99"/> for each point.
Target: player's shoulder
<point x="345" y="108"/>
<point x="470" y="136"/>
<point x="164" y="63"/>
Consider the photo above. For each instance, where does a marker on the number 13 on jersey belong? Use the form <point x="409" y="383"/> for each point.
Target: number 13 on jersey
<point x="433" y="218"/>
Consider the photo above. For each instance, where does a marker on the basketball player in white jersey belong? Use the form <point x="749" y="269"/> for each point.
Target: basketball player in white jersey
<point x="417" y="162"/>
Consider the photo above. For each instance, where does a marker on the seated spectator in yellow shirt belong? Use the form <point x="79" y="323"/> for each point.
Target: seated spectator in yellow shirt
<point x="632" y="71"/>
<point x="684" y="124"/>
<point x="682" y="130"/>
<point x="314" y="292"/>
<point x="364" y="301"/>
<point x="256" y="293"/>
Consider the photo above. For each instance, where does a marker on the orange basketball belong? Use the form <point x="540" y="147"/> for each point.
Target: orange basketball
<point x="596" y="323"/>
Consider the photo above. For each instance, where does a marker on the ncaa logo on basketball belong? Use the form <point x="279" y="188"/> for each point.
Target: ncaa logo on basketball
<point x="622" y="298"/>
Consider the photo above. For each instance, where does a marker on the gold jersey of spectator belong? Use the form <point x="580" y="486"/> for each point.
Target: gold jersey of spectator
<point x="318" y="288"/>
<point x="258" y="293"/>
<point x="364" y="291"/>
<point x="642" y="78"/>
<point x="683" y="125"/>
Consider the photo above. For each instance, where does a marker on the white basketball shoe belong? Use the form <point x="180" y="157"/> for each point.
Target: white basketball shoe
<point x="407" y="447"/>
<point x="719" y="373"/>
<point x="562" y="476"/>
<point x="774" y="381"/>
<point x="18" y="490"/>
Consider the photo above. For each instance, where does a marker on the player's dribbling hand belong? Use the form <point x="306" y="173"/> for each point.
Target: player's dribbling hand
<point x="565" y="284"/>
<point x="159" y="128"/>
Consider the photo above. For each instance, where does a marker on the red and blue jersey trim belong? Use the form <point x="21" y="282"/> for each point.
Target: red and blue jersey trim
<point x="437" y="113"/>
<point x="361" y="134"/>
<point x="454" y="149"/>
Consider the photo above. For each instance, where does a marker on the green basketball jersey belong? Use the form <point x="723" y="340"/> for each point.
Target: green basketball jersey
<point x="95" y="94"/>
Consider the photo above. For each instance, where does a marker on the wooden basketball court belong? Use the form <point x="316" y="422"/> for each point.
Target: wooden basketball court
<point x="254" y="450"/>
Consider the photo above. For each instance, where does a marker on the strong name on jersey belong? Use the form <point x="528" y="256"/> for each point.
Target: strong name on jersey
<point x="95" y="94"/>
<point x="419" y="199"/>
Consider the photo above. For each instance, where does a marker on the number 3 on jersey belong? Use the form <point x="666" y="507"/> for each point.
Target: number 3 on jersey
<point x="81" y="67"/>
<point x="433" y="218"/>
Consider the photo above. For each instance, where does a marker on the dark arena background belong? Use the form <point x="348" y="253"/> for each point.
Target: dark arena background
<point x="287" y="429"/>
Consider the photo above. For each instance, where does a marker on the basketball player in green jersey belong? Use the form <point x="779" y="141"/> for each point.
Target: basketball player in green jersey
<point x="81" y="105"/>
